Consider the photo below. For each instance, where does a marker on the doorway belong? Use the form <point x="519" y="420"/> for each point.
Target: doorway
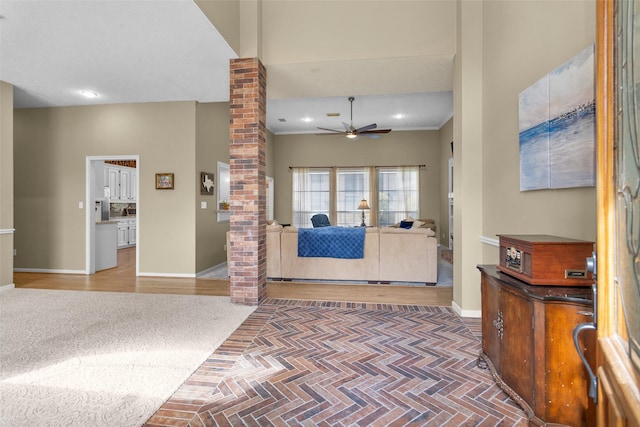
<point x="99" y="184"/>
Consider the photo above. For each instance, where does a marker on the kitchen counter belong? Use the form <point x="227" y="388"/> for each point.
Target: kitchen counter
<point x="122" y="218"/>
<point x="106" y="253"/>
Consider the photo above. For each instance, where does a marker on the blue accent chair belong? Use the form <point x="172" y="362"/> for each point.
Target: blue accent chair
<point x="320" y="220"/>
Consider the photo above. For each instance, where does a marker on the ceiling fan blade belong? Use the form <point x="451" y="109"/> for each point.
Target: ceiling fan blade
<point x="374" y="131"/>
<point x="329" y="130"/>
<point x="347" y="127"/>
<point x="366" y="128"/>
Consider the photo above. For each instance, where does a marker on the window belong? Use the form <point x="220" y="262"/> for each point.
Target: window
<point x="352" y="185"/>
<point x="398" y="194"/>
<point x="311" y="195"/>
<point x="391" y="192"/>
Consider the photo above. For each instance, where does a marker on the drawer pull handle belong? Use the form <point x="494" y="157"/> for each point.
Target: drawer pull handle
<point x="499" y="324"/>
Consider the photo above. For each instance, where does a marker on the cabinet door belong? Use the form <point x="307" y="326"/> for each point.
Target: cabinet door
<point x="491" y="318"/>
<point x="132" y="234"/>
<point x="123" y="236"/>
<point x="565" y="379"/>
<point x="517" y="343"/>
<point x="114" y="183"/>
<point x="133" y="184"/>
<point x="125" y="185"/>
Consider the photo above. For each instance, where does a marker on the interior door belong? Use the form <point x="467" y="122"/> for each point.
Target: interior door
<point x="618" y="169"/>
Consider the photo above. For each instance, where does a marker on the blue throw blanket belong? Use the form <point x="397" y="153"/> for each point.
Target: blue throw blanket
<point x="331" y="242"/>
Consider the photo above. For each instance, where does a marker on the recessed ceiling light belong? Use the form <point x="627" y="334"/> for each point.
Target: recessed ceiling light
<point x="88" y="93"/>
<point x="307" y="119"/>
<point x="398" y="116"/>
<point x="333" y="114"/>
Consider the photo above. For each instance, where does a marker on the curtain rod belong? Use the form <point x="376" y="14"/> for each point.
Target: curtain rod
<point x="354" y="167"/>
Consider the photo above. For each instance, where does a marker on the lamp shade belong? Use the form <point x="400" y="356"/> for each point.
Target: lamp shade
<point x="363" y="204"/>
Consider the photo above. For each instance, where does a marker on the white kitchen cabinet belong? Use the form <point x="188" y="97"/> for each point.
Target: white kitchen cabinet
<point x="126" y="232"/>
<point x="134" y="185"/>
<point x="123" y="234"/>
<point x="125" y="184"/>
<point x="113" y="178"/>
<point x="132" y="233"/>
<point x="122" y="183"/>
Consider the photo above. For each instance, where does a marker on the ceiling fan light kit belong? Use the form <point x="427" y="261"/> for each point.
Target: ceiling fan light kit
<point x="352" y="132"/>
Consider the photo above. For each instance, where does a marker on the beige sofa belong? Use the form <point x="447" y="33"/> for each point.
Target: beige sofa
<point x="295" y="267"/>
<point x="391" y="254"/>
<point x="408" y="255"/>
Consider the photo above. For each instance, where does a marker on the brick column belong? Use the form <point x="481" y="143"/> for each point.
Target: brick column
<point x="248" y="249"/>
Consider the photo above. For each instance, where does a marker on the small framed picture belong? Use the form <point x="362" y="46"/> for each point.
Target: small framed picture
<point x="164" y="181"/>
<point x="206" y="183"/>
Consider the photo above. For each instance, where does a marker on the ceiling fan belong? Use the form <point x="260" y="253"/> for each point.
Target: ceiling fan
<point x="352" y="132"/>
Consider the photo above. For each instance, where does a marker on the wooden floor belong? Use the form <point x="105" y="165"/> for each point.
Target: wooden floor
<point x="123" y="279"/>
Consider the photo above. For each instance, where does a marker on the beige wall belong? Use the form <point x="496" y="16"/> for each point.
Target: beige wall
<point x="6" y="184"/>
<point x="394" y="149"/>
<point x="446" y="138"/>
<point x="468" y="197"/>
<point x="518" y="43"/>
<point x="51" y="145"/>
<point x="212" y="145"/>
<point x="523" y="42"/>
<point x="297" y="31"/>
<point x="225" y="16"/>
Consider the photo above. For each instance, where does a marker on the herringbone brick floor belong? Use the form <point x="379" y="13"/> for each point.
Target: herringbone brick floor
<point x="295" y="363"/>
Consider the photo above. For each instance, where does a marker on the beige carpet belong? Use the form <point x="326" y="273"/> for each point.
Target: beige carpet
<point x="99" y="358"/>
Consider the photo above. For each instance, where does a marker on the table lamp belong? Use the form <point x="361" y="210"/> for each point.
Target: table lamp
<point x="363" y="205"/>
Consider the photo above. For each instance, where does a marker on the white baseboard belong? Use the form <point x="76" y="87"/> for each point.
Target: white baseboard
<point x="465" y="313"/>
<point x="7" y="287"/>
<point x="47" y="270"/>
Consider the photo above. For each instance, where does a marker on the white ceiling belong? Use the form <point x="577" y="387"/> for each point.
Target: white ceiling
<point x="155" y="51"/>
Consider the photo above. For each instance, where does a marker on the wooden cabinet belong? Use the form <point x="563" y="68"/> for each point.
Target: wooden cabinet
<point x="527" y="343"/>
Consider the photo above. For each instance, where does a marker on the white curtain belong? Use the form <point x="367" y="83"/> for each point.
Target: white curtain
<point x="409" y="177"/>
<point x="301" y="196"/>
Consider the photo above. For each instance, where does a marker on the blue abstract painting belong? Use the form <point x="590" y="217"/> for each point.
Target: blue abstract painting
<point x="557" y="127"/>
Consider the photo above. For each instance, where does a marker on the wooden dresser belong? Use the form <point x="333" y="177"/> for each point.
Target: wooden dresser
<point x="527" y="343"/>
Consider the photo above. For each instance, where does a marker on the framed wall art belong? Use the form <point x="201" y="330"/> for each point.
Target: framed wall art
<point x="164" y="181"/>
<point x="557" y="127"/>
<point x="207" y="181"/>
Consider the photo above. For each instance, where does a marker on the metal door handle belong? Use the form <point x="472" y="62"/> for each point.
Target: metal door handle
<point x="593" y="380"/>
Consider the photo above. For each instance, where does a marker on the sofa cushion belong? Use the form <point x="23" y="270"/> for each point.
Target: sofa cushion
<point x="419" y="230"/>
<point x="428" y="222"/>
<point x="412" y="224"/>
